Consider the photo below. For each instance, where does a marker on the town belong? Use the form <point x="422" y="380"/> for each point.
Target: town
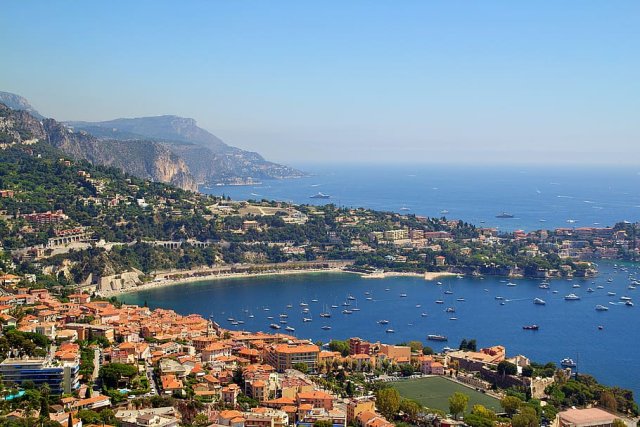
<point x="84" y="361"/>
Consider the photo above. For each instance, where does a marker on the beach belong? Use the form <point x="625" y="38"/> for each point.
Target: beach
<point x="179" y="277"/>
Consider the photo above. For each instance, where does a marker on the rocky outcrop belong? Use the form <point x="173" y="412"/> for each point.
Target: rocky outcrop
<point x="18" y="103"/>
<point x="142" y="158"/>
<point x="209" y="159"/>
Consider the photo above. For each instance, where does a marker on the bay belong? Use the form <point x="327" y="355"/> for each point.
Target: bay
<point x="567" y="328"/>
<point x="538" y="197"/>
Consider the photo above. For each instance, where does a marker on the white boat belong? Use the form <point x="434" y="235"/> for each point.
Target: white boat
<point x="628" y="303"/>
<point x="460" y="299"/>
<point x="625" y="298"/>
<point x="600" y="307"/>
<point x="403" y="295"/>
<point x="576" y="286"/>
<point x="383" y="322"/>
<point x="544" y="286"/>
<point x="539" y="301"/>
<point x="290" y="329"/>
<point x="512" y="284"/>
<point x="439" y="301"/>
<point x="448" y="292"/>
<point x="326" y="327"/>
<point x="424" y="314"/>
<point x="590" y="290"/>
<point x="453" y="318"/>
<point x="347" y="312"/>
<point x="390" y="331"/>
<point x="274" y="326"/>
<point x="572" y="297"/>
<point x="611" y="294"/>
<point x="307" y="319"/>
<point x="599" y="287"/>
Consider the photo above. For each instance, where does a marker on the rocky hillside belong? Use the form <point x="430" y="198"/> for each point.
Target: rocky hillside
<point x="209" y="159"/>
<point x="16" y="102"/>
<point x="142" y="158"/>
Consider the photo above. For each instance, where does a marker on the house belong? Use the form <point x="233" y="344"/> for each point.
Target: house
<point x="590" y="417"/>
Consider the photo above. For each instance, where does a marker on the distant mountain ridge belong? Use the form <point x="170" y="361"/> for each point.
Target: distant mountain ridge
<point x="209" y="159"/>
<point x="17" y="102"/>
<point x="167" y="148"/>
<point x="144" y="159"/>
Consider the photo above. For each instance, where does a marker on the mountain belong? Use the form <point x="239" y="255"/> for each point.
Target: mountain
<point x="16" y="102"/>
<point x="142" y="158"/>
<point x="208" y="158"/>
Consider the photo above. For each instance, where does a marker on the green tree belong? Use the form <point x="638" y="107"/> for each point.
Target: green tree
<point x="302" y="367"/>
<point x="507" y="368"/>
<point x="388" y="402"/>
<point x="510" y="404"/>
<point x="113" y="373"/>
<point x="458" y="404"/>
<point x="526" y="418"/>
<point x="410" y="408"/>
<point x="322" y="423"/>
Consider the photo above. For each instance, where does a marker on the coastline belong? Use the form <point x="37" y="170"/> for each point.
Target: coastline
<point x="428" y="275"/>
<point x="191" y="278"/>
<point x="179" y="277"/>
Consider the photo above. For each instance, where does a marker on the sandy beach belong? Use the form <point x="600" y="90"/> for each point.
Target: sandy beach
<point x="429" y="275"/>
<point x="191" y="276"/>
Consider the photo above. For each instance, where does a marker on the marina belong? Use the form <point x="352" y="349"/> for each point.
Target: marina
<point x="492" y="312"/>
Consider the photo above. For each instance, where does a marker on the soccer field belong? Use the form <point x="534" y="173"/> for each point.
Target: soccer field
<point x="434" y="392"/>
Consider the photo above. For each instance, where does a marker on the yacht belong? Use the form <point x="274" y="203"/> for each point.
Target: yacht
<point x="543" y="286"/>
<point x="499" y="297"/>
<point x="289" y="305"/>
<point x="284" y="316"/>
<point x="439" y="301"/>
<point x="351" y="298"/>
<point x="326" y="327"/>
<point x="390" y="331"/>
<point x="320" y="196"/>
<point x="625" y="298"/>
<point x="423" y="314"/>
<point x="628" y="303"/>
<point x="448" y="292"/>
<point x="274" y="326"/>
<point x="505" y="215"/>
<point x="304" y="304"/>
<point x="512" y="284"/>
<point x="568" y="363"/>
<point x="460" y="299"/>
<point x="599" y="287"/>
<point x="601" y="307"/>
<point x="290" y="329"/>
<point x="347" y="311"/>
<point x="307" y="319"/>
<point x="531" y="327"/>
<point x="539" y="301"/>
<point x="611" y="294"/>
<point x="403" y="295"/>
<point x="334" y="306"/>
<point x="436" y="337"/>
<point x="590" y="290"/>
<point x="450" y="310"/>
<point x="572" y="297"/>
<point x="576" y="285"/>
<point x="383" y="322"/>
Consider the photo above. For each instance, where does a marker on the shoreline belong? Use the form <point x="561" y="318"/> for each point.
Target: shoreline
<point x="166" y="282"/>
<point x="194" y="275"/>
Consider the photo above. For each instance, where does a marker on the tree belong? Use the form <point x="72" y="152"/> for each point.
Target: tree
<point x="608" y="401"/>
<point x="201" y="420"/>
<point x="527" y="371"/>
<point x="484" y="412"/>
<point x="322" y="423"/>
<point x="113" y="373"/>
<point x="427" y="351"/>
<point x="510" y="404"/>
<point x="475" y="420"/>
<point x="410" y="408"/>
<point x="458" y="404"/>
<point x="388" y="402"/>
<point x="507" y="368"/>
<point x="302" y="367"/>
<point x="526" y="418"/>
<point x="406" y="369"/>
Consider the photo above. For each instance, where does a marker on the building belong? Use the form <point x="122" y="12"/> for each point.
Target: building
<point x="400" y="234"/>
<point x="285" y="356"/>
<point x="359" y="346"/>
<point x="358" y="405"/>
<point x="592" y="417"/>
<point x="61" y="377"/>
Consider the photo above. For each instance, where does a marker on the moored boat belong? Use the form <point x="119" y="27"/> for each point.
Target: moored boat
<point x="437" y="337"/>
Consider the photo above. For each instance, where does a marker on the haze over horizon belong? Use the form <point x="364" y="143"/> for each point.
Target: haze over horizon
<point x="488" y="82"/>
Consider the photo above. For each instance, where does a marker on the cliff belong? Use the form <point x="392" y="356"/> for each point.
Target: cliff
<point x="141" y="158"/>
<point x="208" y="158"/>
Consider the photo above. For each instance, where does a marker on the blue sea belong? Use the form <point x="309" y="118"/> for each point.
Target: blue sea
<point x="566" y="328"/>
<point x="538" y="197"/>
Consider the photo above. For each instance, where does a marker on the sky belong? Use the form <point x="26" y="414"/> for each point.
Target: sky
<point x="489" y="82"/>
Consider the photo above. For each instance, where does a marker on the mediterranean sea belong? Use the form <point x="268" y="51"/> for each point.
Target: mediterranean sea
<point x="566" y="328"/>
<point x="537" y="197"/>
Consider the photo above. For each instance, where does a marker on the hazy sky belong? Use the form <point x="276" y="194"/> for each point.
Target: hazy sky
<point x="370" y="81"/>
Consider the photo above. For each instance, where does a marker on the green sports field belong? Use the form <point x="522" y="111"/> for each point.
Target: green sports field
<point x="434" y="392"/>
